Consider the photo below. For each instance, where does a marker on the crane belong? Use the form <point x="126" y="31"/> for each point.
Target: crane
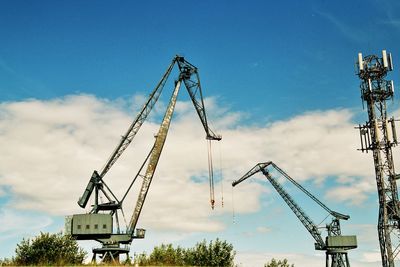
<point x="335" y="244"/>
<point x="98" y="224"/>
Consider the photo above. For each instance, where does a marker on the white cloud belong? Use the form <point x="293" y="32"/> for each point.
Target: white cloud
<point x="373" y="257"/>
<point x="356" y="195"/>
<point x="263" y="229"/>
<point x="2" y="192"/>
<point x="50" y="148"/>
<point x="14" y="223"/>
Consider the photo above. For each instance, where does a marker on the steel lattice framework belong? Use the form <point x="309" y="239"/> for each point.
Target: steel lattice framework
<point x="98" y="224"/>
<point x="378" y="135"/>
<point x="335" y="245"/>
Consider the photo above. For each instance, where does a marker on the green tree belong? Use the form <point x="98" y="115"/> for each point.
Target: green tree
<point x="222" y="253"/>
<point x="7" y="262"/>
<point x="279" y="263"/>
<point x="141" y="259"/>
<point x="49" y="249"/>
<point x="215" y="253"/>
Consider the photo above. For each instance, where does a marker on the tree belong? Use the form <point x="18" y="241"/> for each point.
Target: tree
<point x="222" y="253"/>
<point x="215" y="253"/>
<point x="7" y="262"/>
<point x="49" y="249"/>
<point x="279" y="263"/>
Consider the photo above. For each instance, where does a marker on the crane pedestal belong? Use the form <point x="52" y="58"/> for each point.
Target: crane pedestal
<point x="110" y="253"/>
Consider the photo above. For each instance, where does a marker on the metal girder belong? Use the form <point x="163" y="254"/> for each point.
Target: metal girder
<point x="253" y="171"/>
<point x="316" y="200"/>
<point x="191" y="78"/>
<point x="154" y="157"/>
<point x="298" y="211"/>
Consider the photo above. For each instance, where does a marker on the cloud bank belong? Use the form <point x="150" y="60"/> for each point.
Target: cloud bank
<point x="50" y="148"/>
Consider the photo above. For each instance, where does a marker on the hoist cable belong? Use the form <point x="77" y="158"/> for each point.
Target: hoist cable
<point x="211" y="174"/>
<point x="123" y="216"/>
<point x="221" y="175"/>
<point x="324" y="219"/>
<point x="233" y="207"/>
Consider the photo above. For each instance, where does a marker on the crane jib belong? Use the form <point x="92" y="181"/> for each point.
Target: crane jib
<point x="154" y="157"/>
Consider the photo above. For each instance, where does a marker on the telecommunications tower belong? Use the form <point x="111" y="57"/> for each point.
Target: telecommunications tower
<point x="378" y="135"/>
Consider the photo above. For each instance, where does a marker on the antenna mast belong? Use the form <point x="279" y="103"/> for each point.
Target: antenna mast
<point x="378" y="135"/>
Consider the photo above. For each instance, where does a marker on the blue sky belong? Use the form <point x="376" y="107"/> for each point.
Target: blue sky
<point x="280" y="83"/>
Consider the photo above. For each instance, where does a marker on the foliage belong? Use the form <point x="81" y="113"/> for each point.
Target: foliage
<point x="7" y="262"/>
<point x="279" y="263"/>
<point x="218" y="253"/>
<point x="49" y="249"/>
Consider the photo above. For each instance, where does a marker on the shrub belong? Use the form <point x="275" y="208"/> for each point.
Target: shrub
<point x="49" y="249"/>
<point x="279" y="263"/>
<point x="215" y="253"/>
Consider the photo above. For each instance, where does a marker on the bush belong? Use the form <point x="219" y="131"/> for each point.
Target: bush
<point x="218" y="253"/>
<point x="49" y="249"/>
<point x="279" y="263"/>
<point x="7" y="262"/>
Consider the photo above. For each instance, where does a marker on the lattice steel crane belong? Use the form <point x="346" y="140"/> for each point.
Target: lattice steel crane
<point x="98" y="224"/>
<point x="335" y="244"/>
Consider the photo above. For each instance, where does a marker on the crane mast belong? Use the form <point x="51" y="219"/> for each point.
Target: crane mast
<point x="99" y="224"/>
<point x="335" y="244"/>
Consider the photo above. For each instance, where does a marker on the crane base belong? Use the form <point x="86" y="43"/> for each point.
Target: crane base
<point x="110" y="254"/>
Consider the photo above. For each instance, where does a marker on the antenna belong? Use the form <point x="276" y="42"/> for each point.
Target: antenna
<point x="390" y="62"/>
<point x="360" y="62"/>
<point x="385" y="59"/>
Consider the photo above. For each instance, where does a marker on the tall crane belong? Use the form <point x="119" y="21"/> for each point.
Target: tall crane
<point x="99" y="224"/>
<point x="335" y="244"/>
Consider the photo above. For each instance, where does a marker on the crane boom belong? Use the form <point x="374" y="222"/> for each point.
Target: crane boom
<point x="191" y="79"/>
<point x="331" y="212"/>
<point x="154" y="157"/>
<point x="139" y="120"/>
<point x="128" y="136"/>
<point x="253" y="171"/>
<point x="260" y="166"/>
<point x="298" y="211"/>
